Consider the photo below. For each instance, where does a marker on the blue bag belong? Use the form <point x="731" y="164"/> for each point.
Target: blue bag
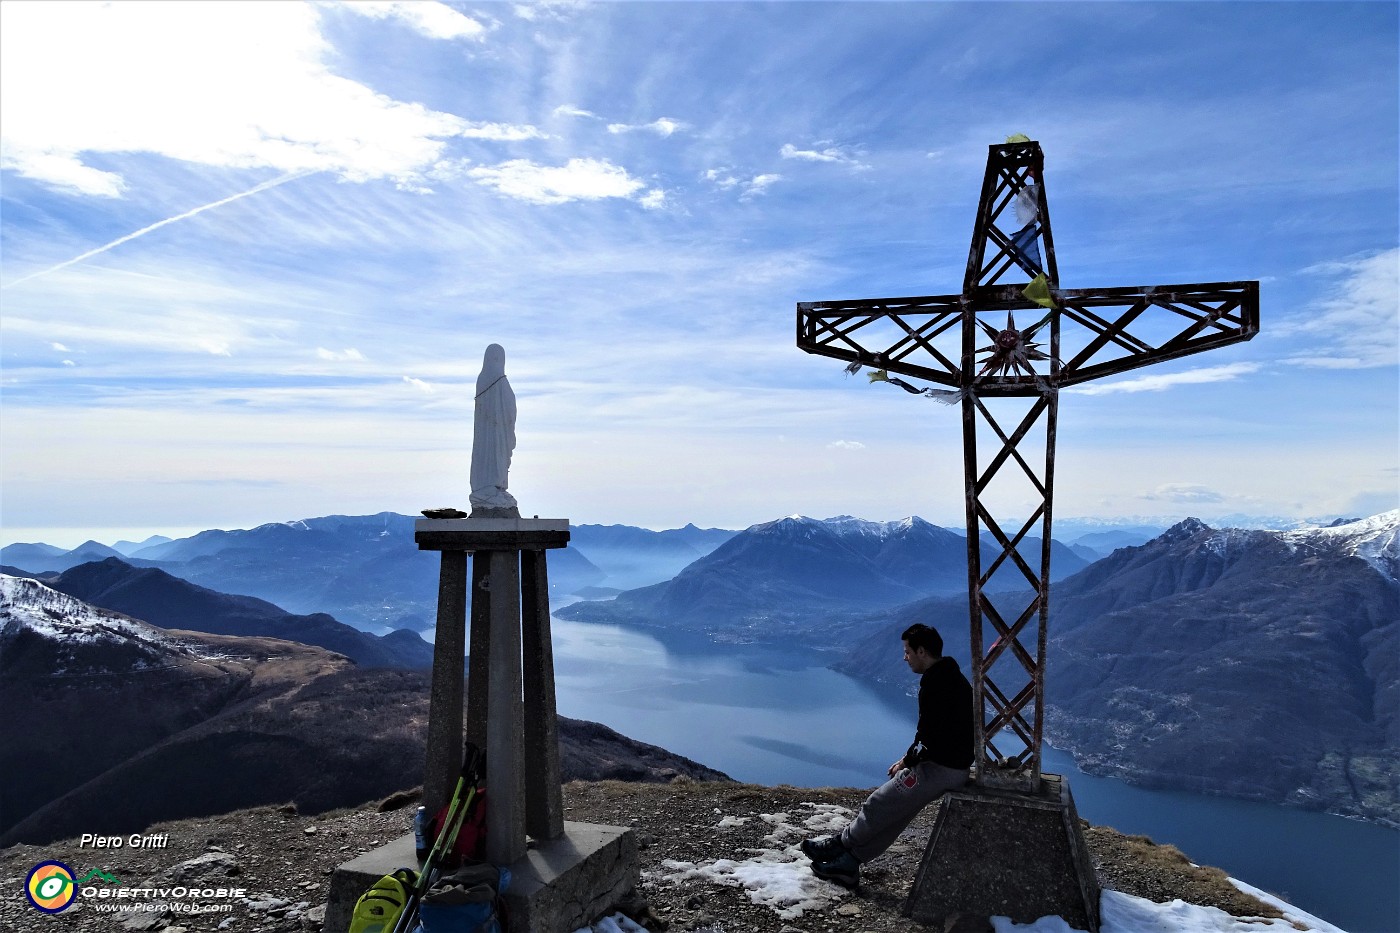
<point x="466" y="901"/>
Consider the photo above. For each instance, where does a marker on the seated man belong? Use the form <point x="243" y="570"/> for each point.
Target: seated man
<point x="936" y="763"/>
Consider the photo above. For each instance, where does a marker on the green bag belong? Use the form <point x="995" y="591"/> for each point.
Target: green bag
<point x="378" y="909"/>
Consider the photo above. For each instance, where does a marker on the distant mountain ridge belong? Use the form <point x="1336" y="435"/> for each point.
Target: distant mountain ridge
<point x="366" y="570"/>
<point x="108" y="724"/>
<point x="795" y="573"/>
<point x="156" y="597"/>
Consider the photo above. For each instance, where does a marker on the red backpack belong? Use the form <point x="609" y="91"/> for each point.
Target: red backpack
<point x="471" y="838"/>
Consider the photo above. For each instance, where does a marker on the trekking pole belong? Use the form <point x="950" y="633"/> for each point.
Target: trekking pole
<point x="457" y="809"/>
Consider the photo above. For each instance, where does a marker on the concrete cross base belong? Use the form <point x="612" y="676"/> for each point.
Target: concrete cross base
<point x="558" y="886"/>
<point x="1003" y="853"/>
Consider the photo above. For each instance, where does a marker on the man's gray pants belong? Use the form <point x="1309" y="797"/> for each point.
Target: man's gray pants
<point x="894" y="804"/>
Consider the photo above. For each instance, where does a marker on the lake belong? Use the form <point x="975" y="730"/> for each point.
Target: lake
<point x="774" y="715"/>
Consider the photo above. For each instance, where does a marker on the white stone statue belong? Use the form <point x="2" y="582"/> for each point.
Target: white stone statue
<point x="493" y="437"/>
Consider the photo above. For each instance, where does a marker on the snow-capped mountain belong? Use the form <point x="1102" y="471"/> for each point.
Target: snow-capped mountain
<point x="1256" y="663"/>
<point x="29" y="604"/>
<point x="1376" y="540"/>
<point x="798" y="570"/>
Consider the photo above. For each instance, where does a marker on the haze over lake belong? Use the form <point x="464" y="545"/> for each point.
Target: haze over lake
<point x="776" y="714"/>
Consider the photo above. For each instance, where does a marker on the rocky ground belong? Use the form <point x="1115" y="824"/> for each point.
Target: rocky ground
<point x="279" y="864"/>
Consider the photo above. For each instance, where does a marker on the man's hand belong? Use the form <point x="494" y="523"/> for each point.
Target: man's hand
<point x="896" y="767"/>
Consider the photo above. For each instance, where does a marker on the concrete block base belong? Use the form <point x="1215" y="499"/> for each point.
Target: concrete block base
<point x="558" y="886"/>
<point x="1006" y="853"/>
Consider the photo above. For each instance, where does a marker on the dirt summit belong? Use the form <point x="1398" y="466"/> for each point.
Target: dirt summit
<point x="276" y="865"/>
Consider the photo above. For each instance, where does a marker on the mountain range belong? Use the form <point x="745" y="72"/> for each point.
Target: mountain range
<point x="366" y="570"/>
<point x="155" y="596"/>
<point x="109" y="724"/>
<point x="799" y="573"/>
<point x="1258" y="664"/>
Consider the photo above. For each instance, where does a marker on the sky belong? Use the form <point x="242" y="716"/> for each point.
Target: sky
<point x="251" y="254"/>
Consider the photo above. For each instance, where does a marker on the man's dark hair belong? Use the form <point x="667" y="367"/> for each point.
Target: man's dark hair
<point x="924" y="636"/>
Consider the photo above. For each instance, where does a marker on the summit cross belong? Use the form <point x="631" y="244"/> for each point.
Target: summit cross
<point x="1079" y="334"/>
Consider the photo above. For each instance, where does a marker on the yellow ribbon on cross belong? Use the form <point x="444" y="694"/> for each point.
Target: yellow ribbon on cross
<point x="1039" y="292"/>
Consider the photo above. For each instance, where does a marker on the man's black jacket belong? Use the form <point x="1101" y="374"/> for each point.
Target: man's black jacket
<point x="944" y="735"/>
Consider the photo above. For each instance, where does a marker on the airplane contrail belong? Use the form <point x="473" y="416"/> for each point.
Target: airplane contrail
<point x="281" y="179"/>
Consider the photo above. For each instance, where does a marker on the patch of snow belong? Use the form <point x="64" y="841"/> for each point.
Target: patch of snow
<point x="61" y="617"/>
<point x="730" y="822"/>
<point x="1123" y="913"/>
<point x="828" y="818"/>
<point x="779" y="877"/>
<point x="617" y="923"/>
<point x="779" y="880"/>
<point x="1316" y="924"/>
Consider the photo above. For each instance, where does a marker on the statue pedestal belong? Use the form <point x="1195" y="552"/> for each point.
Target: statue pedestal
<point x="510" y="687"/>
<point x="558" y="886"/>
<point x="566" y="875"/>
<point x="1007" y="853"/>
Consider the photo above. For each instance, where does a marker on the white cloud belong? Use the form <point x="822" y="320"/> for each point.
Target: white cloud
<point x="655" y="199"/>
<point x="1184" y="493"/>
<point x="759" y="184"/>
<point x="420" y="385"/>
<point x="434" y="20"/>
<point x="547" y="9"/>
<point x="1358" y="326"/>
<point x="254" y="90"/>
<point x="846" y="445"/>
<point x="662" y="126"/>
<point x="349" y="354"/>
<point x="830" y="154"/>
<point x="60" y="348"/>
<point x="578" y="180"/>
<point x="1157" y="383"/>
<point x="720" y="177"/>
<point x="569" y="110"/>
<point x="502" y="132"/>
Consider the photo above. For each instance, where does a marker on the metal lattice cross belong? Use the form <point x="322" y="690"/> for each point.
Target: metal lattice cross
<point x="1078" y="335"/>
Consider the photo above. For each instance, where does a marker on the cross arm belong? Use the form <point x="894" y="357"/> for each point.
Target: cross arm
<point x="909" y="336"/>
<point x="1093" y="332"/>
<point x="1107" y="331"/>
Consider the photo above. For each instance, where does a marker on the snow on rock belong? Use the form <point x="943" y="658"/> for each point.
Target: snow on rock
<point x="1376" y="540"/>
<point x="780" y="877"/>
<point x="61" y="617"/>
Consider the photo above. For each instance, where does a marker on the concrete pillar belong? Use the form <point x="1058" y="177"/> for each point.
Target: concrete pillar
<point x="478" y="664"/>
<point x="505" y="750"/>
<point x="544" y="799"/>
<point x="444" y="759"/>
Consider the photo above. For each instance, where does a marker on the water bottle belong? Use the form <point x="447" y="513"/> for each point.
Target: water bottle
<point x="420" y="834"/>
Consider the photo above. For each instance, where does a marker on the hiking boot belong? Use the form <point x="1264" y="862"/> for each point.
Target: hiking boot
<point x="823" y="850"/>
<point x="843" y="870"/>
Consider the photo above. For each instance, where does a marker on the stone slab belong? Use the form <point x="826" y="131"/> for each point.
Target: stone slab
<point x="486" y="539"/>
<point x="354" y="877"/>
<point x="491" y="524"/>
<point x="558" y="886"/>
<point x="1004" y="853"/>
